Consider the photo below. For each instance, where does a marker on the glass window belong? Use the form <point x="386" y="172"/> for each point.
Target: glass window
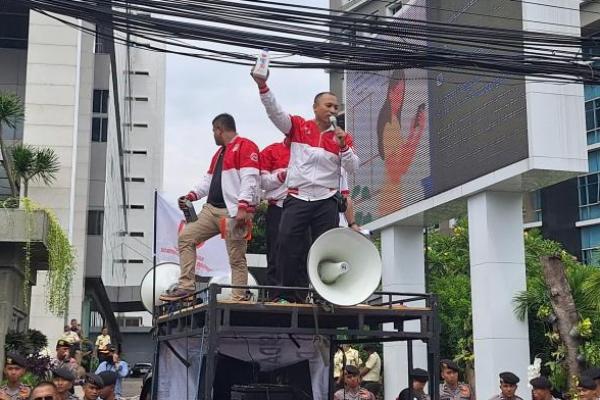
<point x="99" y="129"/>
<point x="95" y="222"/>
<point x="100" y="103"/>
<point x="592" y="120"/>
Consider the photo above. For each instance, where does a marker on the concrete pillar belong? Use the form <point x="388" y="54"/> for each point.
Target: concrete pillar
<point x="11" y="289"/>
<point x="403" y="259"/>
<point x="496" y="248"/>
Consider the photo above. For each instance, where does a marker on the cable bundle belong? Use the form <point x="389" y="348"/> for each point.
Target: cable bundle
<point x="333" y="39"/>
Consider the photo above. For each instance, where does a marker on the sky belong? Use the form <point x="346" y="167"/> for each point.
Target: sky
<point x="198" y="90"/>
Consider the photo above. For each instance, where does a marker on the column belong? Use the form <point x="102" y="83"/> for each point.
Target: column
<point x="403" y="259"/>
<point x="497" y="253"/>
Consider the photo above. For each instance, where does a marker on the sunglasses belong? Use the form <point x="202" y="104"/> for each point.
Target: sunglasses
<point x="44" y="398"/>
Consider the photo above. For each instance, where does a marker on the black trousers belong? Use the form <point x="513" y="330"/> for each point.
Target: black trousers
<point x="299" y="220"/>
<point x="273" y="219"/>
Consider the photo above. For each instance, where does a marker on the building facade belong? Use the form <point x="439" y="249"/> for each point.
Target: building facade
<point x="100" y="107"/>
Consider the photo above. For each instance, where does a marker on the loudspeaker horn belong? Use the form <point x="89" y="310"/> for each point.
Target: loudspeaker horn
<point x="167" y="276"/>
<point x="226" y="280"/>
<point x="344" y="267"/>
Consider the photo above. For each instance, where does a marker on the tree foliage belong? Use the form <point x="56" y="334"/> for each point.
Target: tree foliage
<point x="448" y="276"/>
<point x="32" y="163"/>
<point x="12" y="112"/>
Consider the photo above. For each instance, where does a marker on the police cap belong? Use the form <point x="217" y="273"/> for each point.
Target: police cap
<point x="16" y="359"/>
<point x="108" y="377"/>
<point x="509" y="377"/>
<point x="541" y="382"/>
<point x="95" y="380"/>
<point x="449" y="364"/>
<point x="64" y="373"/>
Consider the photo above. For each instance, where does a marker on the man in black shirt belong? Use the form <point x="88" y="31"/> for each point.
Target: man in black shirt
<point x="231" y="186"/>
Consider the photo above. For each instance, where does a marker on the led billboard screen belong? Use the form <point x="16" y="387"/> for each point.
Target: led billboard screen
<point x="422" y="132"/>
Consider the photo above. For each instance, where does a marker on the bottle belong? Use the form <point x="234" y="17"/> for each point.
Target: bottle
<point x="261" y="68"/>
<point x="189" y="212"/>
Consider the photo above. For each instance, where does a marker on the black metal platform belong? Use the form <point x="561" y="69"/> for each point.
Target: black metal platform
<point x="381" y="320"/>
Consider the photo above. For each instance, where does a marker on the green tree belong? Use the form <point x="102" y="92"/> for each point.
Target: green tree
<point x="448" y="276"/>
<point x="11" y="113"/>
<point x="31" y="163"/>
<point x="536" y="303"/>
<point x="258" y="243"/>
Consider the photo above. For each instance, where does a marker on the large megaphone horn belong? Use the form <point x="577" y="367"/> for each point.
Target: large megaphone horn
<point x="167" y="276"/>
<point x="226" y="280"/>
<point x="344" y="267"/>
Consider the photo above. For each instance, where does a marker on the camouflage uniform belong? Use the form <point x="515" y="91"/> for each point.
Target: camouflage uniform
<point x="14" y="396"/>
<point x="447" y="393"/>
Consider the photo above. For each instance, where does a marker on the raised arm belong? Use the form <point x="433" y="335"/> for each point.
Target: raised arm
<point x="276" y="114"/>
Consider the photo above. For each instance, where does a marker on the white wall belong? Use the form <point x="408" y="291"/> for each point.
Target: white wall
<point x="58" y="105"/>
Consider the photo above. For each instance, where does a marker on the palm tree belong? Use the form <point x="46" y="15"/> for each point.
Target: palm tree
<point x="11" y="113"/>
<point x="34" y="163"/>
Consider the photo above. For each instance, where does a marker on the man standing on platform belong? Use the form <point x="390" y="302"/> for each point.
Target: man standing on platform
<point x="318" y="151"/>
<point x="508" y="387"/>
<point x="274" y="160"/>
<point x="451" y="388"/>
<point x="231" y="185"/>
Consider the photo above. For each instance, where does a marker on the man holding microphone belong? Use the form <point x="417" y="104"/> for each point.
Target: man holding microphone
<point x="318" y="151"/>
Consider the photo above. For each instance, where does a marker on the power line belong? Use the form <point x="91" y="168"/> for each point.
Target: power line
<point x="356" y="43"/>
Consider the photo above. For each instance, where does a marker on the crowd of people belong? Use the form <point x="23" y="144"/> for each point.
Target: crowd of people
<point x="72" y="369"/>
<point x="353" y="383"/>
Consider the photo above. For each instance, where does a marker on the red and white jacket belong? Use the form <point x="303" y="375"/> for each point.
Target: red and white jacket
<point x="274" y="160"/>
<point x="240" y="178"/>
<point x="315" y="157"/>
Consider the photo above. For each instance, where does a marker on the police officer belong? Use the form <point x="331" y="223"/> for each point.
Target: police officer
<point x="63" y="379"/>
<point x="542" y="388"/>
<point x="110" y="380"/>
<point x="419" y="380"/>
<point x="594" y="373"/>
<point x="586" y="388"/>
<point x="15" y="367"/>
<point x="508" y="387"/>
<point x="92" y="386"/>
<point x="451" y="388"/>
<point x="63" y="357"/>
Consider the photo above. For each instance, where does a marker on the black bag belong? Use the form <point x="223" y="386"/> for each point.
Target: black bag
<point x="342" y="202"/>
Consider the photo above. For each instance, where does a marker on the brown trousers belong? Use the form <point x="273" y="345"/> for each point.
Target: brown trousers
<point x="201" y="230"/>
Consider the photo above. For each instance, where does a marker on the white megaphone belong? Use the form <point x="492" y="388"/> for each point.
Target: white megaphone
<point x="226" y="280"/>
<point x="344" y="267"/>
<point x="167" y="276"/>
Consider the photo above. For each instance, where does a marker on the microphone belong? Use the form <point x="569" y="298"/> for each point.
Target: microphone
<point x="333" y="121"/>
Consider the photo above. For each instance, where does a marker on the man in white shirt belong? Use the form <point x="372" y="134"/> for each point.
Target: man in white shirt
<point x="371" y="372"/>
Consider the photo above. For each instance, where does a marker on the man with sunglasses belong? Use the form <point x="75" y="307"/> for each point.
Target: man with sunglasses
<point x="44" y="391"/>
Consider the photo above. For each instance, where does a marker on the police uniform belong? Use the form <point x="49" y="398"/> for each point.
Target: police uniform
<point x="14" y="394"/>
<point x="66" y="373"/>
<point x="457" y="393"/>
<point x="511" y="379"/>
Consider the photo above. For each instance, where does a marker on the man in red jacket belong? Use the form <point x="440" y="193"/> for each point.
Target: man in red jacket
<point x="231" y="186"/>
<point x="318" y="151"/>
